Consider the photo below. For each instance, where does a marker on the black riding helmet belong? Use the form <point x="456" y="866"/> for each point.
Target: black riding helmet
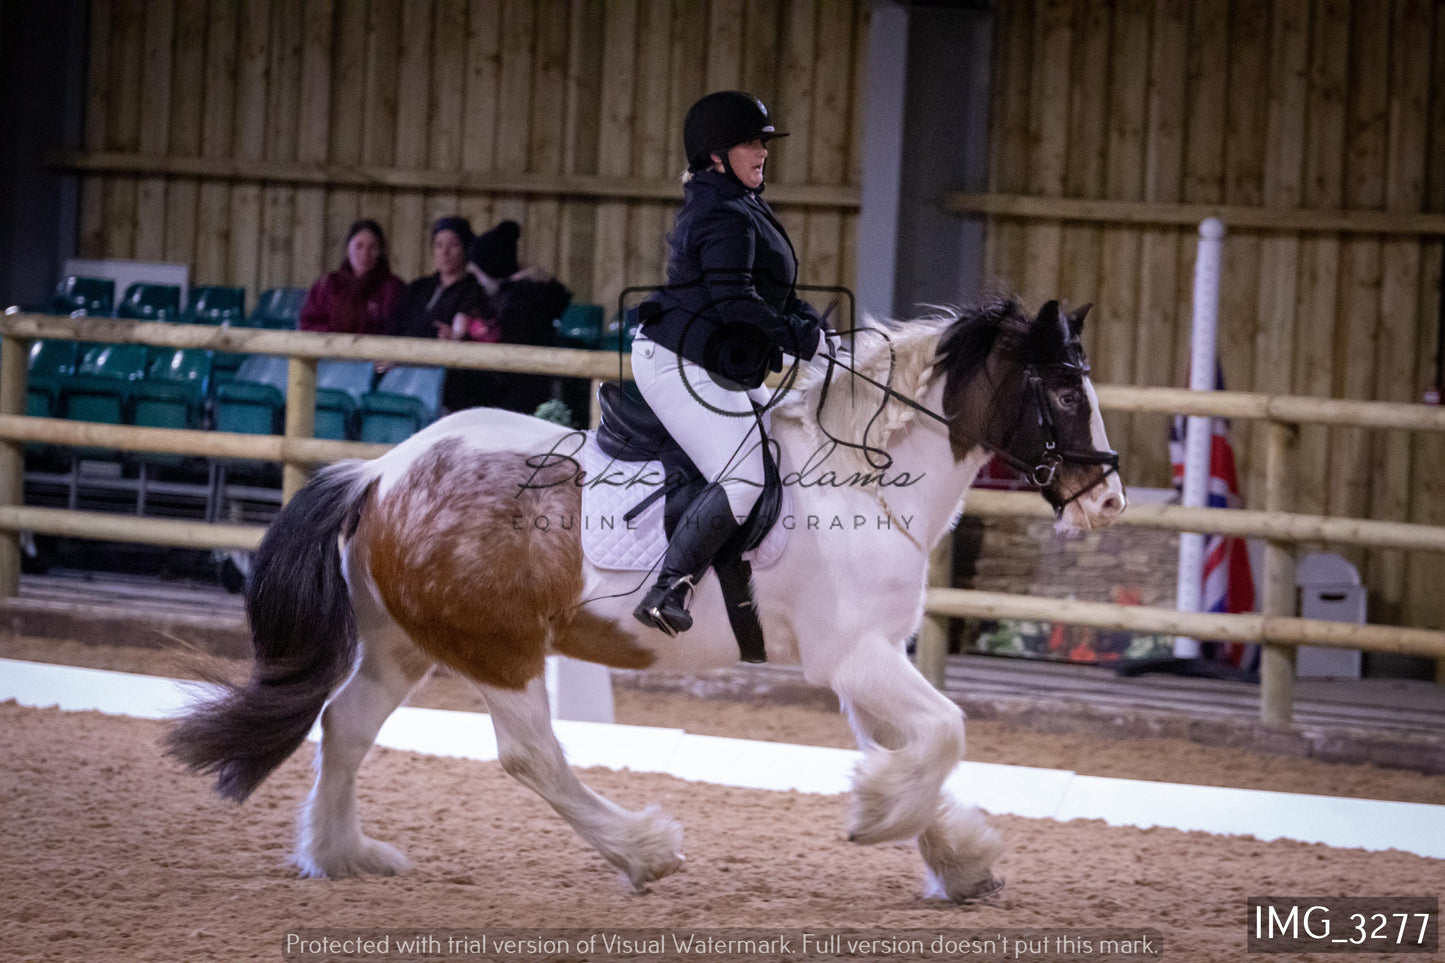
<point x="721" y="121"/>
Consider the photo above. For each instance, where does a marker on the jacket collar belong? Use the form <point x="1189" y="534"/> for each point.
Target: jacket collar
<point x="726" y="188"/>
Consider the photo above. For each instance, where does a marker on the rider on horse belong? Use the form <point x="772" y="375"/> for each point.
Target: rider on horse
<point x="726" y="317"/>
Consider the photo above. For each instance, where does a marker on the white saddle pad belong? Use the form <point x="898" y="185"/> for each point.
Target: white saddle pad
<point x="612" y="489"/>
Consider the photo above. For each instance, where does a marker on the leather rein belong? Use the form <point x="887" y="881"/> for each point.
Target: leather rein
<point x="1055" y="454"/>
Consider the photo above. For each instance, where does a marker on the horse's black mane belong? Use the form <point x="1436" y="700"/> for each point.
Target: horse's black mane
<point x="997" y="323"/>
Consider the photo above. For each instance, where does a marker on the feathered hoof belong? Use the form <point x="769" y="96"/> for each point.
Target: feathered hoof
<point x="891" y="799"/>
<point x="960" y="891"/>
<point x="877" y="817"/>
<point x="960" y="849"/>
<point x="652" y="848"/>
<point x="371" y="858"/>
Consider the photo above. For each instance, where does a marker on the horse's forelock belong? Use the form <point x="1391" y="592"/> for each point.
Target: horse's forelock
<point x="1000" y="329"/>
<point x="965" y="347"/>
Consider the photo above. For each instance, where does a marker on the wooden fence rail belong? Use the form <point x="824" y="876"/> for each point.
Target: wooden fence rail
<point x="1236" y="522"/>
<point x="552" y="186"/>
<point x="568" y="362"/>
<point x="1245" y="627"/>
<point x="1155" y="213"/>
<point x="1275" y="627"/>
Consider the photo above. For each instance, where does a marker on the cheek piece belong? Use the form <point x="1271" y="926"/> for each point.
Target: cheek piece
<point x="1053" y="454"/>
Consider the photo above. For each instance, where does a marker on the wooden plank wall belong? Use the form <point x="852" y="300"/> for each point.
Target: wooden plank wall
<point x="1295" y="104"/>
<point x="535" y="87"/>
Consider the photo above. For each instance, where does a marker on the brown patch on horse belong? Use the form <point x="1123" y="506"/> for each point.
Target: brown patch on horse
<point x="592" y="638"/>
<point x="465" y="564"/>
<point x="969" y="403"/>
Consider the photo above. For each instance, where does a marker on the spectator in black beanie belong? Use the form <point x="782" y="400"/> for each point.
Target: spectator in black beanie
<point x="495" y="253"/>
<point x="526" y="302"/>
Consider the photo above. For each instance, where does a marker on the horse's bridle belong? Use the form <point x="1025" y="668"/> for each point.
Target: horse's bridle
<point x="1054" y="454"/>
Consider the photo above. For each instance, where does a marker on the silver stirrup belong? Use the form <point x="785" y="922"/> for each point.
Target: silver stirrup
<point x="661" y="623"/>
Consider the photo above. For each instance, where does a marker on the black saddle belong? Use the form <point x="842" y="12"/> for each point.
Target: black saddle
<point x="630" y="432"/>
<point x="630" y="429"/>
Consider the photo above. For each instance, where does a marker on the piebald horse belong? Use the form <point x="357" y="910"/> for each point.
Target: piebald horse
<point x="376" y="571"/>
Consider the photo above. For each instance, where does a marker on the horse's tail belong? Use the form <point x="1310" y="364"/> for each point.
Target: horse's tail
<point x="303" y="632"/>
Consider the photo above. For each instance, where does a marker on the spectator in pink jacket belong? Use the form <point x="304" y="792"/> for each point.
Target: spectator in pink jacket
<point x="359" y="297"/>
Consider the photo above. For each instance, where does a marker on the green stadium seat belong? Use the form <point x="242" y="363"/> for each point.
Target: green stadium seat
<point x="619" y="332"/>
<point x="104" y="379"/>
<point x="219" y="306"/>
<point x="101" y="390"/>
<point x="144" y="301"/>
<point x="406" y="401"/>
<point x="340" y="386"/>
<point x="224" y="366"/>
<point x="216" y="305"/>
<point x="277" y="308"/>
<point x="580" y="326"/>
<point x="173" y="395"/>
<point x="81" y="295"/>
<point x="254" y="401"/>
<point x="50" y="364"/>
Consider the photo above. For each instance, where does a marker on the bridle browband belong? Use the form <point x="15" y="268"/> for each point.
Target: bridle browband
<point x="1054" y="455"/>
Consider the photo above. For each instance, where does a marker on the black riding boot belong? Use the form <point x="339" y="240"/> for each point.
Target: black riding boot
<point x="703" y="530"/>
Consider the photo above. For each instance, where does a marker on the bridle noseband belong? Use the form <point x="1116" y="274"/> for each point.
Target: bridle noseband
<point x="1054" y="455"/>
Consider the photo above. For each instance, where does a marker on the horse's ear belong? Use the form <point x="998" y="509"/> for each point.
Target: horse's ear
<point x="1048" y="314"/>
<point x="1046" y="337"/>
<point x="1076" y="319"/>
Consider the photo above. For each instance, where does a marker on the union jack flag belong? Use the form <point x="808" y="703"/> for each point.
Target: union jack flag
<point x="1228" y="580"/>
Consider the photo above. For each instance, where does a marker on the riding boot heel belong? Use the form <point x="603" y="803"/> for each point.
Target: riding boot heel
<point x="704" y="528"/>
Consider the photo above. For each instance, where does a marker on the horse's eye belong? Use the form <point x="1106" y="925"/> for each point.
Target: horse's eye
<point x="1069" y="398"/>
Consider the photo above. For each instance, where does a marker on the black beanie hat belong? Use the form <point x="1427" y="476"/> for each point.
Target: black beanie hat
<point x="459" y="226"/>
<point x="495" y="252"/>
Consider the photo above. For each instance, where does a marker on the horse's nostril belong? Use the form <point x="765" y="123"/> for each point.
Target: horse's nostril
<point x="1112" y="505"/>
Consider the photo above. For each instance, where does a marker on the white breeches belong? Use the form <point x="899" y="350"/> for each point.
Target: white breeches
<point x="716" y="426"/>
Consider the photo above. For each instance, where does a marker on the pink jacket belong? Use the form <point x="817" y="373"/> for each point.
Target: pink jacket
<point x="342" y="303"/>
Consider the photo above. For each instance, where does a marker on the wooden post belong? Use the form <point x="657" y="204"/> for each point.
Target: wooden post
<point x="14" y="353"/>
<point x="300" y="420"/>
<point x="930" y="652"/>
<point x="1276" y="661"/>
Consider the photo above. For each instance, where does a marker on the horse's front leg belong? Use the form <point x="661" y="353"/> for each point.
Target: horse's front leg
<point x="645" y="845"/>
<point x="912" y="736"/>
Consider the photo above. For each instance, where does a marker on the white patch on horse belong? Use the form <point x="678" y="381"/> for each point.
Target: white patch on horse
<point x="1102" y="503"/>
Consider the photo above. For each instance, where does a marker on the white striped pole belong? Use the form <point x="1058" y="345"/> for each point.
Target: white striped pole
<point x="1197" y="438"/>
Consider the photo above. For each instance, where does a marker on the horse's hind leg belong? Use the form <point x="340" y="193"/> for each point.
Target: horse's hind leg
<point x="912" y="736"/>
<point x="330" y="841"/>
<point x="959" y="848"/>
<point x="645" y="845"/>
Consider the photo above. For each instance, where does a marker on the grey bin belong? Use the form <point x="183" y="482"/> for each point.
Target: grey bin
<point x="1329" y="589"/>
